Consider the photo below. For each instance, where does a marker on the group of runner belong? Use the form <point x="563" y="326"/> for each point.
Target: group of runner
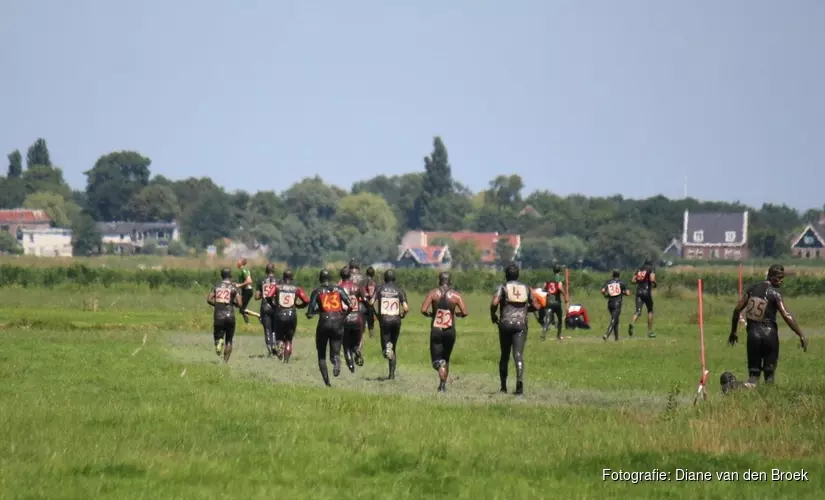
<point x="349" y="306"/>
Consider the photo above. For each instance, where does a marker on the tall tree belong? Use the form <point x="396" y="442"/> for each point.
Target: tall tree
<point x="38" y="154"/>
<point x="61" y="211"/>
<point x="113" y="181"/>
<point x="15" y="164"/>
<point x="155" y="203"/>
<point x="45" y="178"/>
<point x="439" y="206"/>
<point x="366" y="212"/>
<point x="86" y="237"/>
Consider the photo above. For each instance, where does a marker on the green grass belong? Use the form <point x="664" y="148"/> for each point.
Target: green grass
<point x="86" y="414"/>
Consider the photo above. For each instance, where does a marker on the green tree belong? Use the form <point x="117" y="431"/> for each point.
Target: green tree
<point x="505" y="253"/>
<point x="45" y="178"/>
<point x="367" y="212"/>
<point x="38" y="154"/>
<point x="15" y="164"/>
<point x="177" y="248"/>
<point x="12" y="192"/>
<point x="86" y="237"/>
<point x="59" y="210"/>
<point x="439" y="205"/>
<point x="568" y="249"/>
<point x="623" y="246"/>
<point x="400" y="192"/>
<point x="537" y="253"/>
<point x="154" y="203"/>
<point x="208" y="220"/>
<point x="373" y="246"/>
<point x="465" y="254"/>
<point x="113" y="182"/>
<point x="9" y="244"/>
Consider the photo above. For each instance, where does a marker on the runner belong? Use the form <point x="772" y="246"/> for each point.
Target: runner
<point x="440" y="305"/>
<point x="331" y="303"/>
<point x="390" y="305"/>
<point x="288" y="298"/>
<point x="224" y="297"/>
<point x="245" y="286"/>
<point x="265" y="292"/>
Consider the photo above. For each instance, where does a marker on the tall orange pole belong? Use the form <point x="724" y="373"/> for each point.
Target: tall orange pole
<point x="703" y="380"/>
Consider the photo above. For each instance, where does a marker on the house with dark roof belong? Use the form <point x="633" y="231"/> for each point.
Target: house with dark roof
<point x="437" y="257"/>
<point x="674" y="249"/>
<point x="129" y="237"/>
<point x="712" y="235"/>
<point x="15" y="219"/>
<point x="485" y="242"/>
<point x="810" y="244"/>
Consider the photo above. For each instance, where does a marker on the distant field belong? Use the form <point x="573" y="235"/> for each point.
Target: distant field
<point x="160" y="262"/>
<point x="88" y="415"/>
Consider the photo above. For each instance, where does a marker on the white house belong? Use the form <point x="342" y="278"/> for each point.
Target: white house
<point x="130" y="236"/>
<point x="46" y="242"/>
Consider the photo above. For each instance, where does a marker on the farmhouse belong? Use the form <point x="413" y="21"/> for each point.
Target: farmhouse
<point x="810" y="244"/>
<point x="437" y="257"/>
<point x="129" y="237"/>
<point x="424" y="242"/>
<point x="46" y="242"/>
<point x="23" y="218"/>
<point x="712" y="235"/>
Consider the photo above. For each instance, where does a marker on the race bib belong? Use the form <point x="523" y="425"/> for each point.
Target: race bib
<point x="516" y="293"/>
<point x="390" y="306"/>
<point x="641" y="275"/>
<point x="286" y="299"/>
<point x="574" y="309"/>
<point x="552" y="288"/>
<point x="223" y="296"/>
<point x="755" y="309"/>
<point x="443" y="319"/>
<point x="331" y="302"/>
<point x="269" y="290"/>
<point x="614" y="289"/>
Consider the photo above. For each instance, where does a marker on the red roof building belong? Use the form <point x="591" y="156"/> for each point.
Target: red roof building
<point x="23" y="218"/>
<point x="485" y="242"/>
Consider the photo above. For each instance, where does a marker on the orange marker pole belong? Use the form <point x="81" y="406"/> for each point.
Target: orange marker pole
<point x="567" y="284"/>
<point x="703" y="380"/>
<point x="740" y="279"/>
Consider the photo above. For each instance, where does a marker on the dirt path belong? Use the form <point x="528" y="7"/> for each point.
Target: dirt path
<point x="410" y="381"/>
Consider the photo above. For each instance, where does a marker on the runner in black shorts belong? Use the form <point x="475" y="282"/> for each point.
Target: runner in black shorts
<point x="645" y="279"/>
<point x="761" y="302"/>
<point x="389" y="302"/>
<point x="265" y="293"/>
<point x="513" y="300"/>
<point x="224" y="297"/>
<point x="369" y="291"/>
<point x="440" y="305"/>
<point x="287" y="299"/>
<point x="332" y="304"/>
<point x="614" y="291"/>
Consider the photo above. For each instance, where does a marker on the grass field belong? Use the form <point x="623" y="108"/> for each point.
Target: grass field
<point x="87" y="414"/>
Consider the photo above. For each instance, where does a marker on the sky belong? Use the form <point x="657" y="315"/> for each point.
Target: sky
<point x="598" y="97"/>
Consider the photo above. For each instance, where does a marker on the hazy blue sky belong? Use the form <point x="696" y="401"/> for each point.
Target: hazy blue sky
<point x="598" y="97"/>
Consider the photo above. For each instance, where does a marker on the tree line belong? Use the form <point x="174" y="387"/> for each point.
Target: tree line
<point x="312" y="222"/>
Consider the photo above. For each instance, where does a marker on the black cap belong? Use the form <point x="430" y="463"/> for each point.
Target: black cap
<point x="226" y="273"/>
<point x="287" y="275"/>
<point x="389" y="276"/>
<point x="345" y="273"/>
<point x="444" y="279"/>
<point x="323" y="276"/>
<point x="511" y="272"/>
<point x="616" y="273"/>
<point x="370" y="271"/>
<point x="270" y="268"/>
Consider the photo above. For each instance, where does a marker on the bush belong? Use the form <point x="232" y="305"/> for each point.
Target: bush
<point x="413" y="280"/>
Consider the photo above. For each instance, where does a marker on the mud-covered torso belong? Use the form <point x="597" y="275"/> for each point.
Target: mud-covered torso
<point x="355" y="297"/>
<point x="225" y="293"/>
<point x="444" y="309"/>
<point x="284" y="300"/>
<point x="514" y="301"/>
<point x="644" y="285"/>
<point x="761" y="308"/>
<point x="389" y="302"/>
<point x="615" y="291"/>
<point x="268" y="287"/>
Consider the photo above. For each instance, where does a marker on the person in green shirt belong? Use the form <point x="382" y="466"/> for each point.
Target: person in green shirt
<point x="245" y="286"/>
